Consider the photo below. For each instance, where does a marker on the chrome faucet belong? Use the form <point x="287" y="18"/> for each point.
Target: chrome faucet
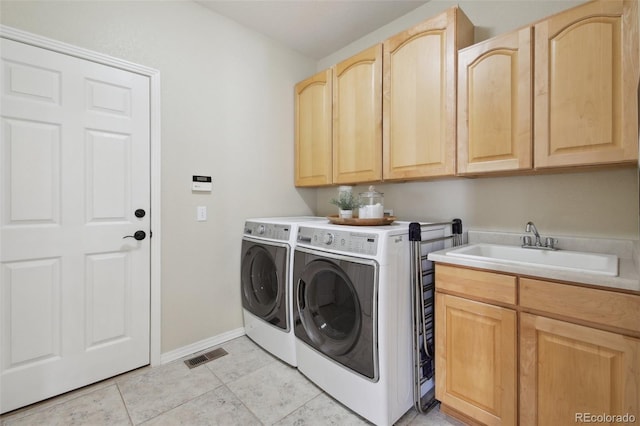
<point x="549" y="243"/>
<point x="532" y="228"/>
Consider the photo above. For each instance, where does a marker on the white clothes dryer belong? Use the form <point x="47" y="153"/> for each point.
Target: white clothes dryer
<point x="353" y="315"/>
<point x="265" y="280"/>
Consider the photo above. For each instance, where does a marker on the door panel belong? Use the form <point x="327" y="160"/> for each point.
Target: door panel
<point x="108" y="285"/>
<point x="494" y="104"/>
<point x="74" y="159"/>
<point x="34" y="286"/>
<point x="36" y="144"/>
<point x="31" y="82"/>
<point x="357" y="118"/>
<point x="586" y="62"/>
<point x="108" y="163"/>
<point x="568" y="369"/>
<point x="313" y="127"/>
<point x="475" y="352"/>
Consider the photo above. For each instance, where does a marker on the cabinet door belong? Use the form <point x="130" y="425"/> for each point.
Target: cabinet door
<point x="419" y="97"/>
<point x="586" y="65"/>
<point x="313" y="130"/>
<point x="494" y="105"/>
<point x="357" y="118"/>
<point x="476" y="359"/>
<point x="568" y="370"/>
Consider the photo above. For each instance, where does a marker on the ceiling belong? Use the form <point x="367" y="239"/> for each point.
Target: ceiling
<point x="315" y="28"/>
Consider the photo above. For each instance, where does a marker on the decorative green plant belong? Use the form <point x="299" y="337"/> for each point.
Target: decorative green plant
<point x="346" y="201"/>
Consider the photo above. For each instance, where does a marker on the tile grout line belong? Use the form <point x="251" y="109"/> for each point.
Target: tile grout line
<point x="235" y="395"/>
<point x="301" y="405"/>
<point x="273" y="361"/>
<point x="54" y="401"/>
<point x="244" y="405"/>
<point x="124" y="403"/>
<point x="180" y="361"/>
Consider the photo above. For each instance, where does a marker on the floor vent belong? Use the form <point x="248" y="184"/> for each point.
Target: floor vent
<point x="204" y="358"/>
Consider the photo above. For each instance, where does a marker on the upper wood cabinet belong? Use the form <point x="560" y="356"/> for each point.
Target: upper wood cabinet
<point x="419" y="103"/>
<point x="558" y="94"/>
<point x="313" y="131"/>
<point x="494" y="104"/>
<point x="357" y="118"/>
<point x="586" y="65"/>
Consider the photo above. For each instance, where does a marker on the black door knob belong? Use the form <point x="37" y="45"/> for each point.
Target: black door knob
<point x="138" y="235"/>
<point x="140" y="213"/>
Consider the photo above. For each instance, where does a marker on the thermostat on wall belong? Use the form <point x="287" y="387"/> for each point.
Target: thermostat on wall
<point x="201" y="183"/>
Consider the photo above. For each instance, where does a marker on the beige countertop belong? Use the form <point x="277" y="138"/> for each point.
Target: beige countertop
<point x="628" y="278"/>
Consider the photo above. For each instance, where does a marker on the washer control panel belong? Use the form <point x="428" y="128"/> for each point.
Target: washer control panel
<point x="342" y="241"/>
<point x="267" y="230"/>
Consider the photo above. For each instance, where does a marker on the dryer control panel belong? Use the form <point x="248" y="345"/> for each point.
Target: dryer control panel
<point x="340" y="241"/>
<point x="267" y="230"/>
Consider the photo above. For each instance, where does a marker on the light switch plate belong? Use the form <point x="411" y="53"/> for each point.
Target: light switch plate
<point x="201" y="213"/>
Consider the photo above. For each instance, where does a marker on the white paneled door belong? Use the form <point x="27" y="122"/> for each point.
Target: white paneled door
<point x="74" y="180"/>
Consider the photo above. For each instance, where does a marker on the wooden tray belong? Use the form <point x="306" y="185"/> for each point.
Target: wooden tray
<point x="355" y="221"/>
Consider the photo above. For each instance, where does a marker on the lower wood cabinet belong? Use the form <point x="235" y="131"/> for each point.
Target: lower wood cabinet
<point x="569" y="371"/>
<point x="573" y="349"/>
<point x="476" y="368"/>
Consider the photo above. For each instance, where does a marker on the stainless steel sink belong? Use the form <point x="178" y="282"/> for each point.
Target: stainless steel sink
<point x="592" y="263"/>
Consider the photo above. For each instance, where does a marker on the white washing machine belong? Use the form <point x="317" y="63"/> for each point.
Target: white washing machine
<point x="265" y="278"/>
<point x="353" y="315"/>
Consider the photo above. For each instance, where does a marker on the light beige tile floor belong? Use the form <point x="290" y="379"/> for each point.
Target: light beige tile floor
<point x="246" y="387"/>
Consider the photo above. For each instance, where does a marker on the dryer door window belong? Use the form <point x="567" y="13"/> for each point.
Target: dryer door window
<point x="329" y="308"/>
<point x="335" y="300"/>
<point x="263" y="282"/>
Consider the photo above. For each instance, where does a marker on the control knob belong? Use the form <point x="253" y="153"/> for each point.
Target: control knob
<point x="261" y="229"/>
<point x="328" y="238"/>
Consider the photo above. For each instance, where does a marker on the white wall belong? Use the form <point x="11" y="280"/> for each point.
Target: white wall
<point x="599" y="204"/>
<point x="592" y="204"/>
<point x="227" y="111"/>
<point x="490" y="18"/>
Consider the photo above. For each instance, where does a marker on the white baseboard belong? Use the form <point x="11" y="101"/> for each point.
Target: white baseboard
<point x="201" y="345"/>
